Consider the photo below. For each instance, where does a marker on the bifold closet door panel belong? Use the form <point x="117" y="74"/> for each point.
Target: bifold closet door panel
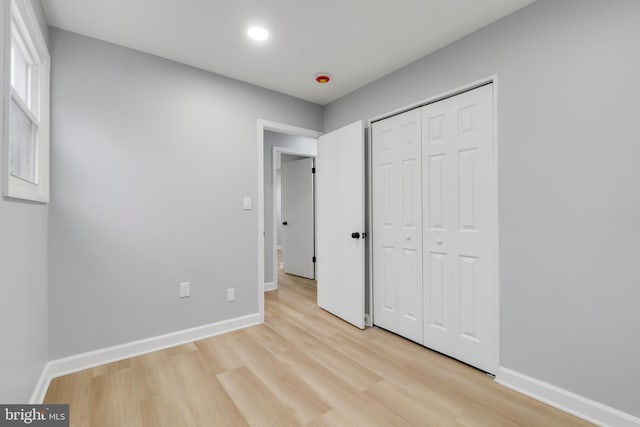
<point x="460" y="228"/>
<point x="397" y="225"/>
<point x="438" y="217"/>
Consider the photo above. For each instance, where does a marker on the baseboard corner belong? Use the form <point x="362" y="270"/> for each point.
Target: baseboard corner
<point x="271" y="286"/>
<point x="42" y="385"/>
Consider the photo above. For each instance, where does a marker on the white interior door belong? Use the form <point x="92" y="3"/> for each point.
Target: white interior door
<point x="340" y="215"/>
<point x="397" y="224"/>
<point x="460" y="228"/>
<point x="297" y="218"/>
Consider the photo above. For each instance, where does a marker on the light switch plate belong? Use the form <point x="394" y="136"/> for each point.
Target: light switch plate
<point x="185" y="289"/>
<point x="246" y="203"/>
<point x="231" y="294"/>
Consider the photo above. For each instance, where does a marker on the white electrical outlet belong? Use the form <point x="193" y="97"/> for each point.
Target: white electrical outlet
<point x="185" y="289"/>
<point x="231" y="294"/>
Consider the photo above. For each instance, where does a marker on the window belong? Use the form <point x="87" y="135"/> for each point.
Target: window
<point x="26" y="126"/>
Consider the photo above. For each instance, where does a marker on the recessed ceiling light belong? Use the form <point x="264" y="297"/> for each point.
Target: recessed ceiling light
<point x="258" y="33"/>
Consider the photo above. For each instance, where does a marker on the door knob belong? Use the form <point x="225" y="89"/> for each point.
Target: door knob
<point x="355" y="235"/>
<point x="285" y="223"/>
<point x="438" y="241"/>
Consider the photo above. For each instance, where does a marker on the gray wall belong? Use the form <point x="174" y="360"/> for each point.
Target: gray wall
<point x="151" y="160"/>
<point x="569" y="178"/>
<point x="42" y="19"/>
<point x="275" y="139"/>
<point x="23" y="290"/>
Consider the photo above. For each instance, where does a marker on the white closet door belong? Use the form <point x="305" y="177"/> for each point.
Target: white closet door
<point x="460" y="228"/>
<point x="397" y="225"/>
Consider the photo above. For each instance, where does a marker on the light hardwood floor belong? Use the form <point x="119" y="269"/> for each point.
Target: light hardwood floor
<point x="302" y="367"/>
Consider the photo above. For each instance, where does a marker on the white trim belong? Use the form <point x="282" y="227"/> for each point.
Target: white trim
<point x="277" y="149"/>
<point x="40" y="390"/>
<point x="368" y="317"/>
<point x="275" y="160"/>
<point x="270" y="286"/>
<point x="289" y="130"/>
<point x="448" y="94"/>
<point x="22" y="13"/>
<point x="496" y="169"/>
<point x="29" y="21"/>
<point x="565" y="400"/>
<point x="80" y="362"/>
<point x="15" y="97"/>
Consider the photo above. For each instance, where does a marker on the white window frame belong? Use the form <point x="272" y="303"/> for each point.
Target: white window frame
<point x="20" y="14"/>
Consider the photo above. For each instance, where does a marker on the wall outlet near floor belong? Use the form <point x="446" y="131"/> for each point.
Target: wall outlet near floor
<point x="185" y="289"/>
<point x="231" y="294"/>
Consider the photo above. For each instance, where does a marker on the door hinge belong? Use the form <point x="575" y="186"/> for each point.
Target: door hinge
<point x="313" y="259"/>
<point x="313" y="170"/>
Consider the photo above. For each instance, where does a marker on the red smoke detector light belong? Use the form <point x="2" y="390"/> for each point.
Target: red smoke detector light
<point x="323" y="78"/>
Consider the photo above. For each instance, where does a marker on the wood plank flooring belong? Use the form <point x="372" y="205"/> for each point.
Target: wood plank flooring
<point x="302" y="367"/>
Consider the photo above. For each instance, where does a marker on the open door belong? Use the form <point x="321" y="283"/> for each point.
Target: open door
<point x="297" y="218"/>
<point x="340" y="190"/>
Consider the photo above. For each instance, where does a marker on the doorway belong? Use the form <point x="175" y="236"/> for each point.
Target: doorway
<point x="286" y="150"/>
<point x="340" y="214"/>
<point x="274" y="141"/>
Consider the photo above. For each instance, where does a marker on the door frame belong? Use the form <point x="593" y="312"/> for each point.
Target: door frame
<point x="278" y="151"/>
<point x="493" y="79"/>
<point x="263" y="125"/>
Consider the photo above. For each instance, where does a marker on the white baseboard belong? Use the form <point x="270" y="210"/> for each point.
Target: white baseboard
<point x="80" y="362"/>
<point x="271" y="286"/>
<point x="40" y="390"/>
<point x="565" y="400"/>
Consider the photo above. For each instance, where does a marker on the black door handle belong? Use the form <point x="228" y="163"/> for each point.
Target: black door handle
<point x="355" y="235"/>
<point x="285" y="223"/>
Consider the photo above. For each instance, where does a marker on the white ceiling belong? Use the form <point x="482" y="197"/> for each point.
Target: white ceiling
<point x="356" y="41"/>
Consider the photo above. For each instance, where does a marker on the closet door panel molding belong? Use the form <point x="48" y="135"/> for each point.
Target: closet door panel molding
<point x="397" y="225"/>
<point x="475" y="231"/>
<point x="437" y="134"/>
